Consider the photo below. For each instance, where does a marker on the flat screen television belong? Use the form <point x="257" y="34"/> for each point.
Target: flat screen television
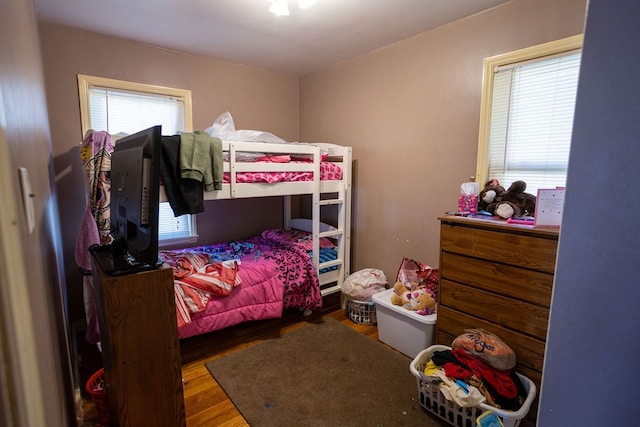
<point x="135" y="187"/>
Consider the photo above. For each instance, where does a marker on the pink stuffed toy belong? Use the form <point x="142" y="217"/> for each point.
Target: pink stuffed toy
<point x="420" y="300"/>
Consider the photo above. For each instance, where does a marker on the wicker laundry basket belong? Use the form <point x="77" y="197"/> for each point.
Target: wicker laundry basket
<point x="362" y="312"/>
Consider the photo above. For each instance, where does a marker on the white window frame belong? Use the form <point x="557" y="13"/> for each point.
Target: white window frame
<point x="491" y="65"/>
<point x="86" y="83"/>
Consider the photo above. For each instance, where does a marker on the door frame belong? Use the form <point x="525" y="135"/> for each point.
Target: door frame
<point x="21" y="395"/>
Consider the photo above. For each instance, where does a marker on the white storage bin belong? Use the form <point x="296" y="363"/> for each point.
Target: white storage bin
<point x="402" y="329"/>
<point x="433" y="401"/>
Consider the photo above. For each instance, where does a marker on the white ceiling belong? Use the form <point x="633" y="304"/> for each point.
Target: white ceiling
<point x="243" y="31"/>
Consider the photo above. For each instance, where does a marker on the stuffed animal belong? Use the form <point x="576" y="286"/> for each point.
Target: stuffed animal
<point x="423" y="302"/>
<point x="487" y="347"/>
<point x="514" y="202"/>
<point x="420" y="300"/>
<point x="491" y="193"/>
<point x="398" y="295"/>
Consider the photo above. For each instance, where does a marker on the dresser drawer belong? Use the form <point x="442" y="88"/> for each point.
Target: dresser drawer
<point x="508" y="312"/>
<point x="522" y="250"/>
<point x="451" y="323"/>
<point x="520" y="283"/>
<point x="498" y="277"/>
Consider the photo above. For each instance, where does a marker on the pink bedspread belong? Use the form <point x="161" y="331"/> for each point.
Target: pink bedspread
<point x="328" y="172"/>
<point x="275" y="272"/>
<point x="196" y="278"/>
<point x="260" y="296"/>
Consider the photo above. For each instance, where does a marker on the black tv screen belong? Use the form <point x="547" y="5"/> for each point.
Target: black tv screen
<point x="135" y="186"/>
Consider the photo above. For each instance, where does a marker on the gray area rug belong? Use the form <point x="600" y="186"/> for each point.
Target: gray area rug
<point x="322" y="374"/>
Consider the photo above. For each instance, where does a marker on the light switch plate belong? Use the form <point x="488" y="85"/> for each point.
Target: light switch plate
<point x="27" y="199"/>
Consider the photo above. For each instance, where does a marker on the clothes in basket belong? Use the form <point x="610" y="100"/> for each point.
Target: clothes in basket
<point x="511" y="403"/>
<point x="363" y="284"/>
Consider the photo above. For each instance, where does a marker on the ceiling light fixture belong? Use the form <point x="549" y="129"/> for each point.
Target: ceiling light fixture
<point x="305" y="4"/>
<point x="281" y="7"/>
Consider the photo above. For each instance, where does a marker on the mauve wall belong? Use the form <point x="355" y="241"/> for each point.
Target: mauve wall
<point x="411" y="112"/>
<point x="257" y="99"/>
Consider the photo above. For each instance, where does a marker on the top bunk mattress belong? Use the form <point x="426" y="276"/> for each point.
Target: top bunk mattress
<point x="250" y="169"/>
<point x="328" y="172"/>
<point x="249" y="163"/>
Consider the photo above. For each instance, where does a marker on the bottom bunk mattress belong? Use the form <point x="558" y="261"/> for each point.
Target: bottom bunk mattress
<point x="221" y="285"/>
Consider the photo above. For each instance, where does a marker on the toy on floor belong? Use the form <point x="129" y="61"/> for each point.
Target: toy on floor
<point x="420" y="300"/>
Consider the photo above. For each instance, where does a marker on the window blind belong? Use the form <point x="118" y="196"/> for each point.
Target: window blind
<point x="172" y="228"/>
<point x="122" y="111"/>
<point x="532" y="120"/>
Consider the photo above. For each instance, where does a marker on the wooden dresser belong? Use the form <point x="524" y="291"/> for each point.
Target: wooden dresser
<point x="140" y="348"/>
<point x="498" y="277"/>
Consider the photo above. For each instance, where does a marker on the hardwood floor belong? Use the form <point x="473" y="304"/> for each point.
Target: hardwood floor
<point x="206" y="404"/>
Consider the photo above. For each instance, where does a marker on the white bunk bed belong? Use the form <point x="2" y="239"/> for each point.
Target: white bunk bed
<point x="323" y="193"/>
<point x="338" y="192"/>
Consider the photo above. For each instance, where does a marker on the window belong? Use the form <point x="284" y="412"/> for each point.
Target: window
<point x="117" y="106"/>
<point x="526" y="119"/>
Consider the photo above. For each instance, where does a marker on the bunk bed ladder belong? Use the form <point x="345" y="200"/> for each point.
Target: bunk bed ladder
<point x="342" y="233"/>
<point x="339" y="235"/>
<point x="330" y="282"/>
<point x="344" y="219"/>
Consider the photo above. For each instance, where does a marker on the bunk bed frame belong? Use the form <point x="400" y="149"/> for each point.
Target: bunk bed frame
<point x="323" y="193"/>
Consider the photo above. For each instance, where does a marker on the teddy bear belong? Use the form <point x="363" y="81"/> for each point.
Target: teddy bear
<point x="491" y="193"/>
<point x="420" y="300"/>
<point x="514" y="202"/>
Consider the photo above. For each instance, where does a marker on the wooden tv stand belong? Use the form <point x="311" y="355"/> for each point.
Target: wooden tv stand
<point x="140" y="347"/>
